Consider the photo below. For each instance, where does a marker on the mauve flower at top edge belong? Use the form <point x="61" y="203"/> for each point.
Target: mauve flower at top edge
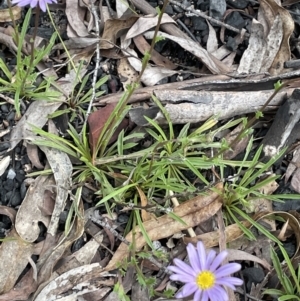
<point x="204" y="277"/>
<point x="33" y="3"/>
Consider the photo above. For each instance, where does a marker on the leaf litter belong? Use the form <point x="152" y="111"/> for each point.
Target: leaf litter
<point x="62" y="271"/>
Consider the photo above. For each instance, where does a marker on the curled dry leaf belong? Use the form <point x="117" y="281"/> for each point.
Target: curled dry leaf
<point x="62" y="167"/>
<point x="192" y="212"/>
<point x="252" y="58"/>
<point x="113" y="29"/>
<point x="143" y="24"/>
<point x="284" y="53"/>
<point x="161" y="61"/>
<point x="212" y="63"/>
<point x="75" y="15"/>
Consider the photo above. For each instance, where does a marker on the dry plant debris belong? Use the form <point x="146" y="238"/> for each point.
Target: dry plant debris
<point x="99" y="192"/>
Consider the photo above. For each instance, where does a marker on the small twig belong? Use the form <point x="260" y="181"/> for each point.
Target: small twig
<point x="199" y="13"/>
<point x="187" y="30"/>
<point x="97" y="66"/>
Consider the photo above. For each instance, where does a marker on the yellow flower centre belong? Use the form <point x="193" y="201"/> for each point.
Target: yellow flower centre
<point x="205" y="280"/>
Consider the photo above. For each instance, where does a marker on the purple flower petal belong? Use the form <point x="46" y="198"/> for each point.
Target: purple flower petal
<point x="43" y="5"/>
<point x="187" y="290"/>
<point x="193" y="257"/>
<point x="201" y="254"/>
<point x="33" y="3"/>
<point x="197" y="296"/>
<point x="227" y="269"/>
<point x="218" y="260"/>
<point x="210" y="258"/>
<point x="218" y="293"/>
<point x="205" y="296"/>
<point x="182" y="278"/>
<point x="184" y="267"/>
<point x="234" y="281"/>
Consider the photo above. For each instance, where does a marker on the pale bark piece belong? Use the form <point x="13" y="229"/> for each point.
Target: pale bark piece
<point x="14" y="254"/>
<point x="212" y="63"/>
<point x="274" y="40"/>
<point x="74" y="14"/>
<point x="37" y="113"/>
<point x="205" y="104"/>
<point x="73" y="282"/>
<point x="4" y="163"/>
<point x="252" y="58"/>
<point x="62" y="168"/>
<point x="192" y="212"/>
<point x="145" y="23"/>
<point x="31" y="212"/>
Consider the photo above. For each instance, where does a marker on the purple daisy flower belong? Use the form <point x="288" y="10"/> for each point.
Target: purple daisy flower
<point x="33" y="3"/>
<point x="204" y="277"/>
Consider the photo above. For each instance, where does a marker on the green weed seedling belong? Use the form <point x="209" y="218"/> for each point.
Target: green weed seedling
<point x="290" y="282"/>
<point x="22" y="81"/>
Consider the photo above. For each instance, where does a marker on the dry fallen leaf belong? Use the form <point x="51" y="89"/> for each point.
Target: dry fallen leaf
<point x="14" y="254"/>
<point x="212" y="63"/>
<point x="5" y="14"/>
<point x="143" y="24"/>
<point x="192" y="212"/>
<point x="75" y="15"/>
<point x="30" y="213"/>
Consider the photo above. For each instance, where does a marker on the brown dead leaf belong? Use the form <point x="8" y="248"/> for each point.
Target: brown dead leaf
<point x="245" y="256"/>
<point x="192" y="212"/>
<point x="97" y="121"/>
<point x="21" y="292"/>
<point x="161" y="61"/>
<point x="75" y="15"/>
<point x="5" y="14"/>
<point x="113" y="29"/>
<point x="33" y="155"/>
<point x="146" y="216"/>
<point x="14" y="254"/>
